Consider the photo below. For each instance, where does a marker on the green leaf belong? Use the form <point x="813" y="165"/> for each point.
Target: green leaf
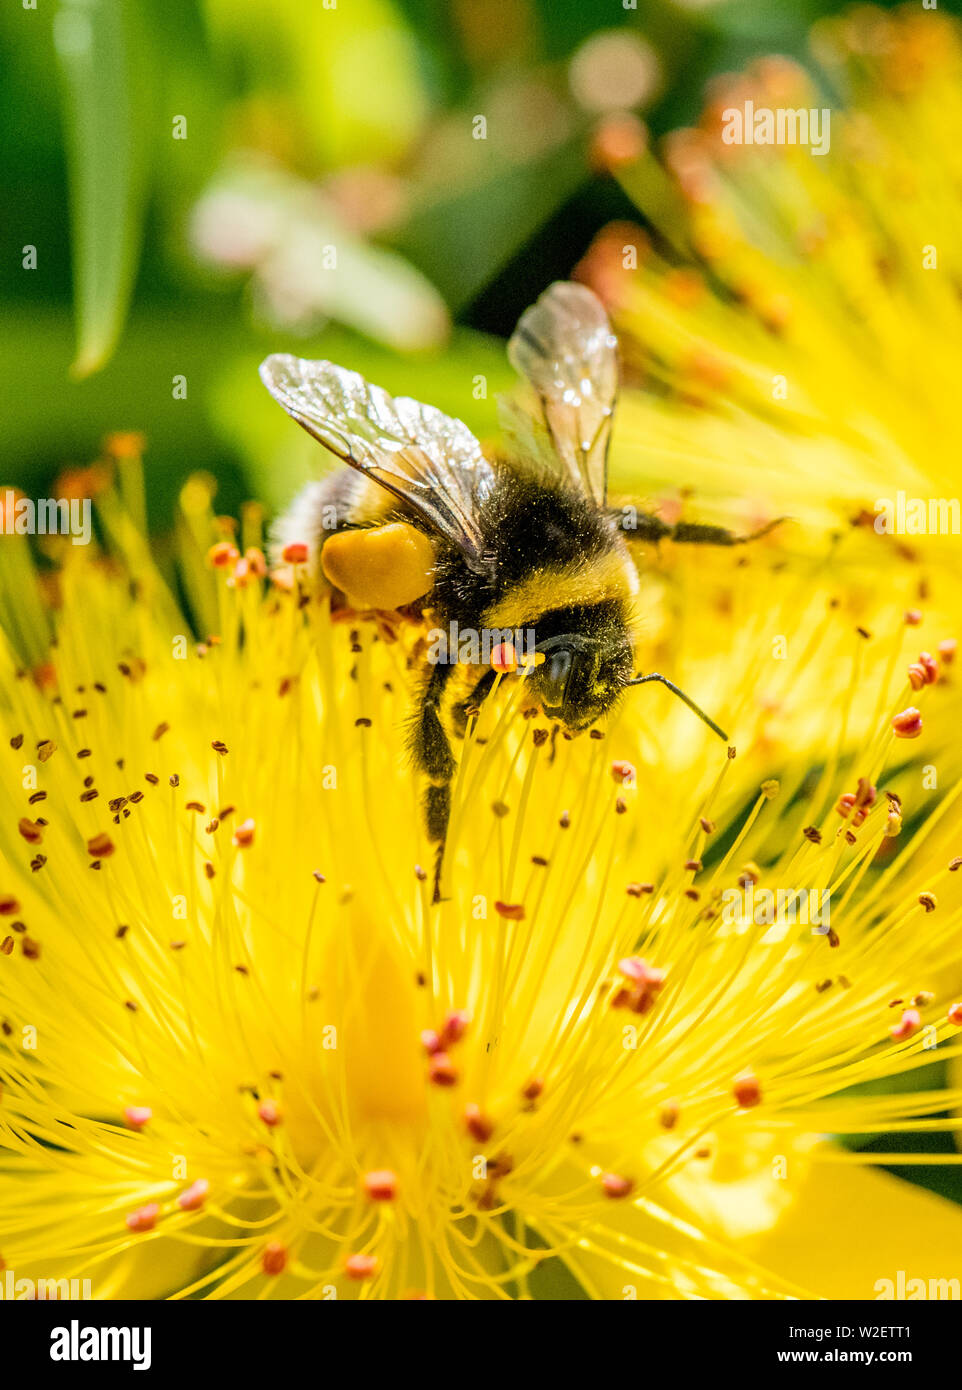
<point x="102" y="51"/>
<point x="461" y="242"/>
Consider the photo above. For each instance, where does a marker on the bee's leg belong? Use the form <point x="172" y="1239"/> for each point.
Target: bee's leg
<point x="694" y="533"/>
<point x="472" y="701"/>
<point x="433" y="756"/>
<point x="437" y="813"/>
<point x="645" y="526"/>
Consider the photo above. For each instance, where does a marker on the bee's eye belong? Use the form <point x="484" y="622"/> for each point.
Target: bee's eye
<point x="554" y="676"/>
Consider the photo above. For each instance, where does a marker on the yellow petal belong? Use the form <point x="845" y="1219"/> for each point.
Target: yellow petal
<point x="852" y="1228"/>
<point x="652" y="1248"/>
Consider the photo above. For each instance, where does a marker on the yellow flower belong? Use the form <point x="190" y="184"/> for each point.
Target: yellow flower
<point x="795" y="317"/>
<point x="243" y="1055"/>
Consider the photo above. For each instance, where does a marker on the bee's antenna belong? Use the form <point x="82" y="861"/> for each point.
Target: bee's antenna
<point x="642" y="680"/>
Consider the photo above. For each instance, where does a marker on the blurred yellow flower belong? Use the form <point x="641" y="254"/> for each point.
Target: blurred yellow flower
<point x="795" y="319"/>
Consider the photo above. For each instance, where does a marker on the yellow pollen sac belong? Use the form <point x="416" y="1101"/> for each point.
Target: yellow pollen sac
<point x="385" y="567"/>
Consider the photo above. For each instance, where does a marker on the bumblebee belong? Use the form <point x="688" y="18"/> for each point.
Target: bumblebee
<point x="525" y="543"/>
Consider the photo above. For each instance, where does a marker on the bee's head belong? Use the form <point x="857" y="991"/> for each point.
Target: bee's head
<point x="580" y="678"/>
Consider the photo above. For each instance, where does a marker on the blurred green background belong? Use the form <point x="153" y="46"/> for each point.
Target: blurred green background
<point x="186" y="169"/>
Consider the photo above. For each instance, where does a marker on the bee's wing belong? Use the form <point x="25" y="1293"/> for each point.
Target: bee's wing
<point x="422" y="456"/>
<point x="565" y="347"/>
